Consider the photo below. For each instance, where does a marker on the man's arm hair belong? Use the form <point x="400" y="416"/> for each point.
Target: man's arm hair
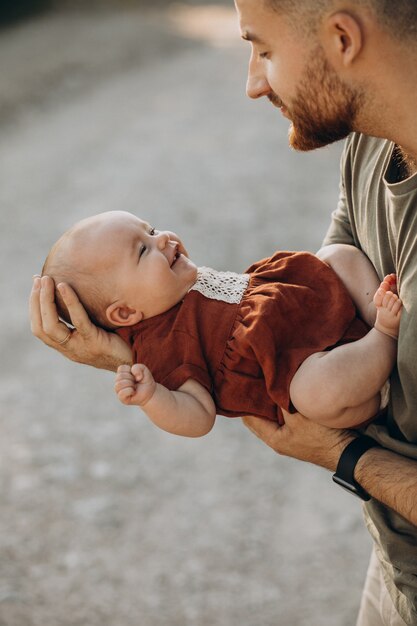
<point x="385" y="475"/>
<point x="391" y="479"/>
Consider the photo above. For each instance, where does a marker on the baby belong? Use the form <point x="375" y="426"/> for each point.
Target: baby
<point x="282" y="335"/>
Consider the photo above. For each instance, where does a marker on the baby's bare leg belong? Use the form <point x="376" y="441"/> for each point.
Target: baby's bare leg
<point x="335" y="388"/>
<point x="341" y="387"/>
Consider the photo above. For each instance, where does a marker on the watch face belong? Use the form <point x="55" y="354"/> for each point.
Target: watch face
<point x="353" y="489"/>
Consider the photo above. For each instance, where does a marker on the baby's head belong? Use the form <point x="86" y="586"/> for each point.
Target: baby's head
<point x="121" y="268"/>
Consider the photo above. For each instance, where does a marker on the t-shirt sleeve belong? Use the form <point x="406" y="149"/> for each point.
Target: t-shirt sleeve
<point x="340" y="230"/>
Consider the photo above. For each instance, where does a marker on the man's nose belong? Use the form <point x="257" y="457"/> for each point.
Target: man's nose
<point x="257" y="84"/>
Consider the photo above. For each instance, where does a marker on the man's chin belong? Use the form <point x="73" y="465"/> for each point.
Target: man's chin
<point x="311" y="139"/>
<point x="302" y="142"/>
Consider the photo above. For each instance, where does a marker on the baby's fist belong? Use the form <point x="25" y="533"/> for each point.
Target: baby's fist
<point x="134" y="384"/>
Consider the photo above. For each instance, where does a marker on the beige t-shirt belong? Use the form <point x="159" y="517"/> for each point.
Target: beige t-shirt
<point x="379" y="216"/>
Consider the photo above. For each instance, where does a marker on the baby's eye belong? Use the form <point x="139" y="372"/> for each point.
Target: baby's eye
<point x="151" y="232"/>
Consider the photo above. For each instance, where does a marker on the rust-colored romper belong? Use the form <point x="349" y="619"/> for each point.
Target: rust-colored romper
<point x="245" y="351"/>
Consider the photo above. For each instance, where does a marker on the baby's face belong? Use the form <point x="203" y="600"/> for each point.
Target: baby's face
<point x="150" y="269"/>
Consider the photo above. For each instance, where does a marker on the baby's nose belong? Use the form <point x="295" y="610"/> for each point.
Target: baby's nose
<point x="163" y="239"/>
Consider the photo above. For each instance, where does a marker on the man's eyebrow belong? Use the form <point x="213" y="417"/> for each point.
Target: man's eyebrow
<point x="247" y="36"/>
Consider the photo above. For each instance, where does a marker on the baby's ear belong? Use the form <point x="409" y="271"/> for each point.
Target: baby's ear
<point x="119" y="314"/>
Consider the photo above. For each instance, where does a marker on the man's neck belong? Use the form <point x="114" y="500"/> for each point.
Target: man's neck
<point x="404" y="133"/>
<point x="390" y="111"/>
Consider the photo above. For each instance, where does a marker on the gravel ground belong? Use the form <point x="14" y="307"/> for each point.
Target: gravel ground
<point x="105" y="520"/>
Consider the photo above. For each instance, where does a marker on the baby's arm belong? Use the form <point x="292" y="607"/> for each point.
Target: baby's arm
<point x="357" y="274"/>
<point x="189" y="411"/>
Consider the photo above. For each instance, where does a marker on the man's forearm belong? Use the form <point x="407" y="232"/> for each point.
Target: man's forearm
<point x="391" y="479"/>
<point x="385" y="475"/>
<point x="109" y="362"/>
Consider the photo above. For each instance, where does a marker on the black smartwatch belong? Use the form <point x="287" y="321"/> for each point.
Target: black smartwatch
<point x="347" y="463"/>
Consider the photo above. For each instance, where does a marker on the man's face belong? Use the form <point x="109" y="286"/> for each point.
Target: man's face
<point x="291" y="70"/>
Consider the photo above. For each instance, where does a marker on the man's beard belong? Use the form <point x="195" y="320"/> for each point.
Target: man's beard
<point x="324" y="109"/>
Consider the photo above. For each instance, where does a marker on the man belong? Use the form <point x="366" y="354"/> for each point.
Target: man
<point x="331" y="69"/>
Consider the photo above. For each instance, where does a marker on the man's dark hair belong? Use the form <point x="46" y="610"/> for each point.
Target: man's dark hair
<point x="398" y="17"/>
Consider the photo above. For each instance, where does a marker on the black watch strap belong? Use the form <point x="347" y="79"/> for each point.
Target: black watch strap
<point x="347" y="463"/>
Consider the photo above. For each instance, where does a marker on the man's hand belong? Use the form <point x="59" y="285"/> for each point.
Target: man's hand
<point x="302" y="438"/>
<point x="86" y="343"/>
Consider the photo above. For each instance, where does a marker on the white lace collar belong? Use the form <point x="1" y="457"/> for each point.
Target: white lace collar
<point x="225" y="286"/>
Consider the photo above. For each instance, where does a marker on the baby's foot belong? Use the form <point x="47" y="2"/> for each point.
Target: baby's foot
<point x="390" y="283"/>
<point x="388" y="307"/>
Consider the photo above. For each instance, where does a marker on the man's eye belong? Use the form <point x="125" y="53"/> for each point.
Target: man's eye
<point x="263" y="55"/>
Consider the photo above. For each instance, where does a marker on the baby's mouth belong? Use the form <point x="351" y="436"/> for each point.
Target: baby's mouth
<point x="176" y="257"/>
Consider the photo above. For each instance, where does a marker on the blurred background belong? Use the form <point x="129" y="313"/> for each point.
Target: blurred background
<point x="106" y="520"/>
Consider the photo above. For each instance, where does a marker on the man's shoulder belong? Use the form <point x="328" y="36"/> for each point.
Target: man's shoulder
<point x="365" y="158"/>
<point x="360" y="144"/>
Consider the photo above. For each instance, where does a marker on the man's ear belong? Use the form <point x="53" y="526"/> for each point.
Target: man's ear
<point x="119" y="314"/>
<point x="342" y="37"/>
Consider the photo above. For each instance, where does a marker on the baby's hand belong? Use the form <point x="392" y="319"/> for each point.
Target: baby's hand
<point x="134" y="384"/>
